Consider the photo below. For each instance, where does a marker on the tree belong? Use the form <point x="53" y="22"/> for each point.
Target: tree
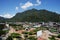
<point x="9" y="38"/>
<point x="2" y="32"/>
<point x="58" y="36"/>
<point x="52" y="38"/>
<point x="14" y="35"/>
<point x="32" y="38"/>
<point x="1" y="26"/>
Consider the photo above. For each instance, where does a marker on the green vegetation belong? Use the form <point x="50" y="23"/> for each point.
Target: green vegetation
<point x="17" y="27"/>
<point x="58" y="36"/>
<point x="1" y="26"/>
<point x="14" y="35"/>
<point x="9" y="38"/>
<point x="26" y="36"/>
<point x="53" y="30"/>
<point x="2" y="32"/>
<point x="32" y="38"/>
<point x="40" y="28"/>
<point x="31" y="33"/>
<point x="52" y="38"/>
<point x="25" y="32"/>
<point x="36" y="16"/>
<point x="15" y="24"/>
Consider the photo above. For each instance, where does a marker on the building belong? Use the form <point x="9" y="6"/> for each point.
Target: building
<point x="39" y="25"/>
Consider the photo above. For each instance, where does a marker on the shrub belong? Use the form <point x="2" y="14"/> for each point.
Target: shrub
<point x="52" y="38"/>
<point x="9" y="38"/>
<point x="32" y="38"/>
<point x="14" y="35"/>
<point x="58" y="36"/>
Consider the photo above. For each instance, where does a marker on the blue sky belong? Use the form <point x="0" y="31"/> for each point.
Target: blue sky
<point x="8" y="8"/>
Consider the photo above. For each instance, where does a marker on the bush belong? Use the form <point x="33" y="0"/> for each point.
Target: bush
<point x="2" y="32"/>
<point x="25" y="32"/>
<point x="26" y="36"/>
<point x="30" y="33"/>
<point x="9" y="38"/>
<point x="53" y="30"/>
<point x="58" y="36"/>
<point x="14" y="35"/>
<point x="32" y="38"/>
<point x="52" y="38"/>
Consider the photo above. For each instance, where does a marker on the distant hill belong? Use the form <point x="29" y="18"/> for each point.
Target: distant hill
<point x="35" y="15"/>
<point x="2" y="19"/>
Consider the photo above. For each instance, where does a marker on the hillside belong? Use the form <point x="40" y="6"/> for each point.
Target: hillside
<point x="2" y="19"/>
<point x="35" y="15"/>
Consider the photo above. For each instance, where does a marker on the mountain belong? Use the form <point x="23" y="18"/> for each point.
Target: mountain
<point x="2" y="19"/>
<point x="35" y="15"/>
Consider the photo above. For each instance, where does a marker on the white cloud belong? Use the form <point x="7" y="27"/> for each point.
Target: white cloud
<point x="29" y="4"/>
<point x="17" y="8"/>
<point x="7" y="15"/>
<point x="38" y="3"/>
<point x="26" y="5"/>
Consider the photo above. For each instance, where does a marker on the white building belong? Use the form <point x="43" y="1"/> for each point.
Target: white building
<point x="37" y="25"/>
<point x="7" y="25"/>
<point x="39" y="33"/>
<point x="25" y="26"/>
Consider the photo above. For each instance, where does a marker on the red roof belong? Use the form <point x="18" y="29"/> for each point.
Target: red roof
<point x="39" y="38"/>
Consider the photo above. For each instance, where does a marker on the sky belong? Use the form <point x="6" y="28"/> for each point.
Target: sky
<point x="9" y="8"/>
